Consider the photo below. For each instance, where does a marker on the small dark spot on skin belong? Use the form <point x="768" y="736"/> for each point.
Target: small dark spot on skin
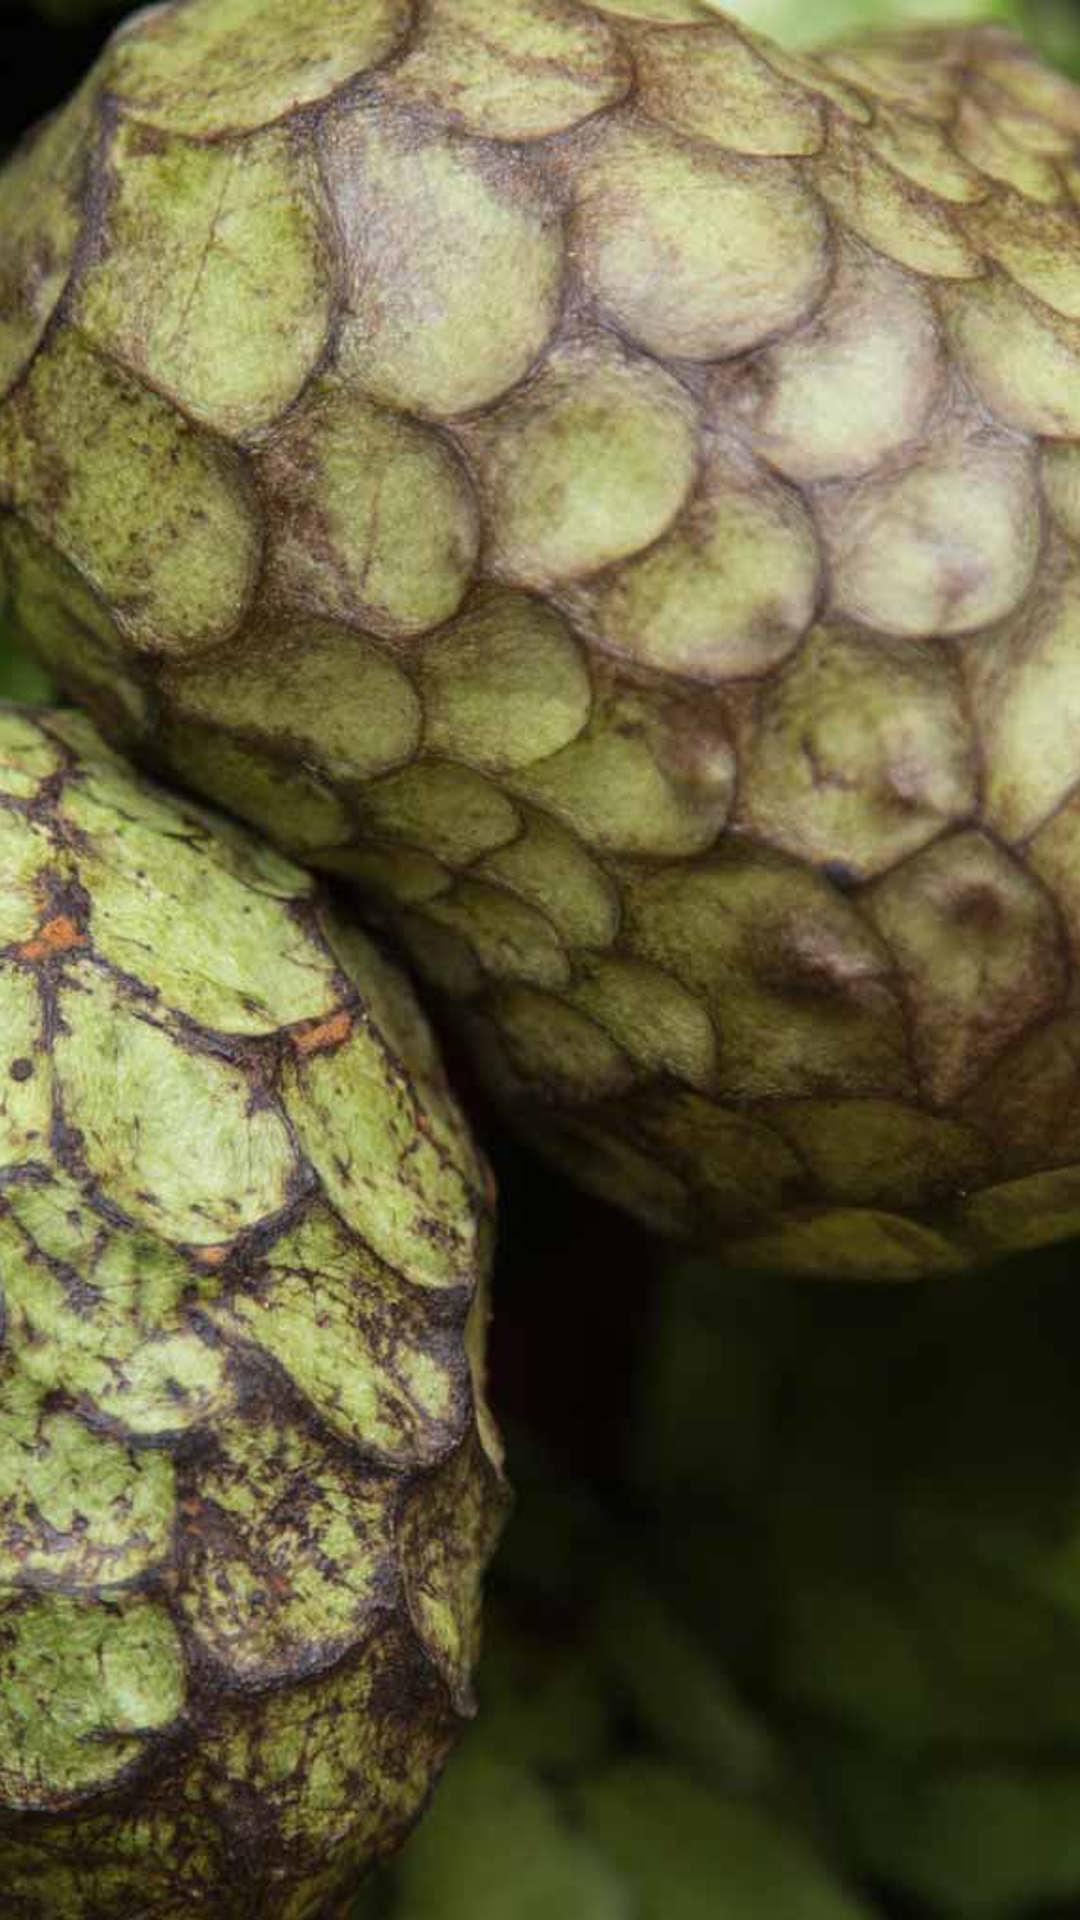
<point x="21" y="1069"/>
<point x="841" y="876"/>
<point x="979" y="909"/>
<point x="145" y="140"/>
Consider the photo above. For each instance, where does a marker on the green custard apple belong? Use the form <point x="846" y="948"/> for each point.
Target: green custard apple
<point x="247" y="1479"/>
<point x="608" y="489"/>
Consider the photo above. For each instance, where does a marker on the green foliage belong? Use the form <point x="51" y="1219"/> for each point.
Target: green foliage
<point x="1053" y="26"/>
<point x="688" y="1852"/>
<point x="795" y="23"/>
<point x="21" y="678"/>
<point x="895" y="1482"/>
<point x="497" y="1846"/>
<point x="614" y="1773"/>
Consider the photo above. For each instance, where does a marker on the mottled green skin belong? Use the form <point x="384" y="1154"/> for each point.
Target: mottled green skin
<point x="247" y="1481"/>
<point x="610" y="490"/>
<point x="872" y="1502"/>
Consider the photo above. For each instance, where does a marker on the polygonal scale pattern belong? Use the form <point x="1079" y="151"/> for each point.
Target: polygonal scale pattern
<point x="610" y="491"/>
<point x="247" y="1481"/>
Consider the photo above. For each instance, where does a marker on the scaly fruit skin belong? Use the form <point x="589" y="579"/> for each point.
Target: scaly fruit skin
<point x="610" y="490"/>
<point x="247" y="1480"/>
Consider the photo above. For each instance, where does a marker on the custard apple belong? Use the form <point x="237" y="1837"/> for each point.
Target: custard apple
<point x="608" y="489"/>
<point x="248" y="1481"/>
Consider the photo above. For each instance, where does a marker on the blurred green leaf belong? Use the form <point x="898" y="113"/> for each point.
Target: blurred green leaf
<point x="692" y="1854"/>
<point x="900" y="1503"/>
<point x="543" y="1703"/>
<point x="978" y="1841"/>
<point x="713" y="1366"/>
<point x="797" y="24"/>
<point x="591" y="1683"/>
<point x="21" y="679"/>
<point x="680" y="1694"/>
<point x="496" y="1846"/>
<point x="1051" y="26"/>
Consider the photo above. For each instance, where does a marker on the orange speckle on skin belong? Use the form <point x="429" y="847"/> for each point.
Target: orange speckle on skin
<point x="211" y="1256"/>
<point x="321" y="1035"/>
<point x="58" y="935"/>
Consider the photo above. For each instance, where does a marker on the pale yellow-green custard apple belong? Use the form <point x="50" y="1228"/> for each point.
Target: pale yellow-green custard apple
<point x="609" y="489"/>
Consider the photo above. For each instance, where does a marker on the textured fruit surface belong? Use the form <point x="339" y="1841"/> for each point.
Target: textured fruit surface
<point x="610" y="490"/>
<point x="247" y="1481"/>
<point x="872" y="1500"/>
